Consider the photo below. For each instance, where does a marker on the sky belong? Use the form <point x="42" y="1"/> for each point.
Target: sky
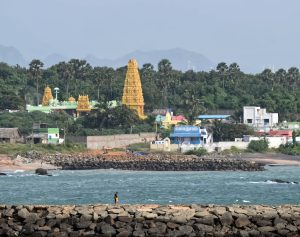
<point x="254" y="33"/>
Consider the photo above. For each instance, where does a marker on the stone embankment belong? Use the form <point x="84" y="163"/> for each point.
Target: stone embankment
<point x="154" y="162"/>
<point x="149" y="220"/>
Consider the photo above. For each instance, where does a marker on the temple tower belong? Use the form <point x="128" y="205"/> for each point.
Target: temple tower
<point x="47" y="96"/>
<point x="132" y="92"/>
<point x="83" y="104"/>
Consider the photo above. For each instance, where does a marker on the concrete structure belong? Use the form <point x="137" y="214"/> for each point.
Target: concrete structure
<point x="187" y="134"/>
<point x="42" y="134"/>
<point x="118" y="141"/>
<point x="213" y="117"/>
<point x="10" y="135"/>
<point x="132" y="92"/>
<point x="72" y="107"/>
<point x="169" y="120"/>
<point x="259" y="118"/>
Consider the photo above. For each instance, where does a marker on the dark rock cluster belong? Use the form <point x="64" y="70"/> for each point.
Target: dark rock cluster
<point x="154" y="162"/>
<point x="149" y="220"/>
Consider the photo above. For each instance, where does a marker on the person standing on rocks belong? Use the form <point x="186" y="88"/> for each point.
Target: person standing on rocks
<point x="116" y="198"/>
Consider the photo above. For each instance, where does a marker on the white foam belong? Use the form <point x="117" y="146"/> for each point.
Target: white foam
<point x="246" y="201"/>
<point x="18" y="171"/>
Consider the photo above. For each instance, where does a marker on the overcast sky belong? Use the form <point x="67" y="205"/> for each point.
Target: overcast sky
<point x="253" y="33"/>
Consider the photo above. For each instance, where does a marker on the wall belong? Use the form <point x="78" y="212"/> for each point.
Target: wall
<point x="121" y="140"/>
<point x="77" y="139"/>
<point x="149" y="220"/>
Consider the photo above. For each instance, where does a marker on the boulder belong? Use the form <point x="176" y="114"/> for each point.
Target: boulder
<point x="23" y="213"/>
<point x="242" y="221"/>
<point x="41" y="171"/>
<point x="226" y="218"/>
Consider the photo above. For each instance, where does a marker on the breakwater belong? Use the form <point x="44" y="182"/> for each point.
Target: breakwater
<point x="152" y="162"/>
<point x="149" y="220"/>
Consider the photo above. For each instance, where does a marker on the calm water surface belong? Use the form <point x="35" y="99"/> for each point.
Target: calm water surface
<point x="99" y="186"/>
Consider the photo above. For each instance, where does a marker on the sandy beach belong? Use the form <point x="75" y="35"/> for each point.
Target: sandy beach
<point x="7" y="164"/>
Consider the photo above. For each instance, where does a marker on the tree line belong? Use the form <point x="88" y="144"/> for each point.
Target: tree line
<point x="190" y="92"/>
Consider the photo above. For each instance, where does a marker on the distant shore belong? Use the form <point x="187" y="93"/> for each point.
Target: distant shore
<point x="159" y="162"/>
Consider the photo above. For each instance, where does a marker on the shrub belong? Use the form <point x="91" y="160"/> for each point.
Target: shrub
<point x="258" y="146"/>
<point x="197" y="152"/>
<point x="290" y="149"/>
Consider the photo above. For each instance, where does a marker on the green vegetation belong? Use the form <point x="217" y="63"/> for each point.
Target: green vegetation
<point x="229" y="131"/>
<point x="290" y="149"/>
<point x="225" y="87"/>
<point x="233" y="151"/>
<point x="197" y="152"/>
<point x="190" y="93"/>
<point x="258" y="146"/>
<point x="139" y="147"/>
<point x="14" y="149"/>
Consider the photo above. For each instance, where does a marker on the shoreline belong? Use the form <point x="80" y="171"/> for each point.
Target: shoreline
<point x="68" y="162"/>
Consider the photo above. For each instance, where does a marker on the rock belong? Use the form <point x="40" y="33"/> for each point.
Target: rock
<point x="109" y="220"/>
<point x="242" y="221"/>
<point x="31" y="218"/>
<point x="292" y="228"/>
<point x="172" y="225"/>
<point x="202" y="227"/>
<point x="83" y="224"/>
<point x="126" y="219"/>
<point x="3" y="174"/>
<point x="185" y="229"/>
<point x="107" y="229"/>
<point x="148" y="215"/>
<point x="41" y="171"/>
<point x="23" y="213"/>
<point x="138" y="233"/>
<point x="116" y="211"/>
<point x="264" y="229"/>
<point x="226" y="219"/>
<point x="124" y="234"/>
<point x="8" y="212"/>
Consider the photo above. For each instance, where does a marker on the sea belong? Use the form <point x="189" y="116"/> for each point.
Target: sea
<point x="144" y="187"/>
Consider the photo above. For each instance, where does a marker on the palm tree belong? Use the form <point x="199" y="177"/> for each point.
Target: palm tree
<point x="293" y="76"/>
<point x="35" y="71"/>
<point x="222" y="68"/>
<point x="164" y="72"/>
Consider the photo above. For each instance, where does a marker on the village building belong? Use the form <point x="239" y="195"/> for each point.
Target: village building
<point x="169" y="120"/>
<point x="188" y="134"/>
<point x="259" y="118"/>
<point x="41" y="133"/>
<point x="10" y="135"/>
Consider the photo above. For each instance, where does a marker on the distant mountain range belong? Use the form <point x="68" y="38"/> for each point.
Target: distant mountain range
<point x="11" y="56"/>
<point x="181" y="59"/>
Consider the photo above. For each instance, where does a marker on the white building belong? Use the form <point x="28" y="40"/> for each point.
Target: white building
<point x="259" y="118"/>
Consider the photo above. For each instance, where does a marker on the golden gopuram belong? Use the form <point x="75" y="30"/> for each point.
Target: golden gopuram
<point x="83" y="104"/>
<point x="132" y="92"/>
<point x="47" y="96"/>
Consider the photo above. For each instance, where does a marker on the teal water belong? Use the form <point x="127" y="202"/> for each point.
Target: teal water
<point x="99" y="186"/>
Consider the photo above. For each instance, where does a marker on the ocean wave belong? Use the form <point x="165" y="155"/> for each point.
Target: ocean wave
<point x="246" y="201"/>
<point x="18" y="171"/>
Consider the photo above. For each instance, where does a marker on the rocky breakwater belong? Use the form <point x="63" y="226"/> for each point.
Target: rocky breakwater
<point x="154" y="162"/>
<point x="149" y="220"/>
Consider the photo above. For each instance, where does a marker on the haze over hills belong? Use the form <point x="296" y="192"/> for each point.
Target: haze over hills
<point x="11" y="56"/>
<point x="181" y="59"/>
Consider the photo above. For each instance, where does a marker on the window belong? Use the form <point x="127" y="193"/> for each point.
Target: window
<point x="249" y="120"/>
<point x="266" y="121"/>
